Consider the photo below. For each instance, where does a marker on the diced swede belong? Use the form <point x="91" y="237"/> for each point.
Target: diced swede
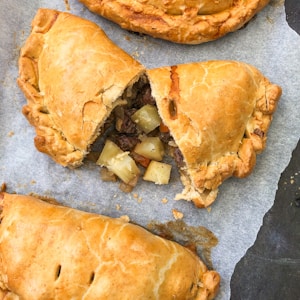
<point x="118" y="162"/>
<point x="147" y="118"/>
<point x="158" y="172"/>
<point x="151" y="147"/>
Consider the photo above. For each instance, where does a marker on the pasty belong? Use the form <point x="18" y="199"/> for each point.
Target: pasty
<point x="215" y="115"/>
<point x="218" y="113"/>
<point x="53" y="252"/>
<point x="72" y="76"/>
<point x="180" y="21"/>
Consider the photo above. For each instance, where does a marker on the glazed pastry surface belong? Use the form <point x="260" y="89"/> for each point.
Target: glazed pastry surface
<point x="179" y="21"/>
<point x="218" y="113"/>
<point x="53" y="252"/>
<point x="72" y="75"/>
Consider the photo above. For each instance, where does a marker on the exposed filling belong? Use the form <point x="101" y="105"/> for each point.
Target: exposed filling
<point x="136" y="141"/>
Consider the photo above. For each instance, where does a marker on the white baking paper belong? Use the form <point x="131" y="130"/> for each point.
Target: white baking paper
<point x="266" y="42"/>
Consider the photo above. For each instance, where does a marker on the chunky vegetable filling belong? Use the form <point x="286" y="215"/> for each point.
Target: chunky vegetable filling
<point x="137" y="141"/>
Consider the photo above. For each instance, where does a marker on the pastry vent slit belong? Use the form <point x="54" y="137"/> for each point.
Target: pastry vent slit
<point x="58" y="272"/>
<point x="92" y="277"/>
<point x="172" y="109"/>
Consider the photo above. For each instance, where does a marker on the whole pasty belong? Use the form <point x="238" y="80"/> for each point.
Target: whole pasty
<point x="180" y="21"/>
<point x="53" y="252"/>
<point x="72" y="76"/>
<point x="218" y="113"/>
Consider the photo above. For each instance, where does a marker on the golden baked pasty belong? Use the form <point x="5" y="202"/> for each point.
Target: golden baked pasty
<point x="180" y="21"/>
<point x="53" y="252"/>
<point x="218" y="113"/>
<point x="79" y="84"/>
<point x="72" y="76"/>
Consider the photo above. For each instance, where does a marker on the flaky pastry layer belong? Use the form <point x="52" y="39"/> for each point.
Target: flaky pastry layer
<point x="218" y="113"/>
<point x="53" y="252"/>
<point x="180" y="21"/>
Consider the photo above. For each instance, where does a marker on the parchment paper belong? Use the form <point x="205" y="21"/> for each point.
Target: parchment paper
<point x="267" y="42"/>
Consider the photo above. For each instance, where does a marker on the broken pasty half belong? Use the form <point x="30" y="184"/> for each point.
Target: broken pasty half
<point x="72" y="75"/>
<point x="218" y="113"/>
<point x="180" y="21"/>
<point x="53" y="252"/>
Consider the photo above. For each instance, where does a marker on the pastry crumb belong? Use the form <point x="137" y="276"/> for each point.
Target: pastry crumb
<point x="164" y="200"/>
<point x="136" y="196"/>
<point x="135" y="54"/>
<point x="177" y="214"/>
<point x="118" y="206"/>
<point x="208" y="209"/>
<point x="125" y="218"/>
<point x="67" y="4"/>
<point x="11" y="133"/>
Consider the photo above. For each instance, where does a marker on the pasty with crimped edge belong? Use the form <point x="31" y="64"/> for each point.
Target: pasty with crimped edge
<point x="218" y="113"/>
<point x="72" y="75"/>
<point x="78" y="84"/>
<point x="180" y="21"/>
<point x="53" y="252"/>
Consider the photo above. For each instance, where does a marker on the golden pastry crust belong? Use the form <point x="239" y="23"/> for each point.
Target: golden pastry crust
<point x="72" y="76"/>
<point x="218" y="113"/>
<point x="180" y="21"/>
<point x="54" y="252"/>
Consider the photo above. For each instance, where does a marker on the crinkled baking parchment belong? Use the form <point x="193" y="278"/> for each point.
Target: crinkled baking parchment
<point x="267" y="42"/>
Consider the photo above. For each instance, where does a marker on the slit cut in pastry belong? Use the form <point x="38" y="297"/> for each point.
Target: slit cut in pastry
<point x="53" y="252"/>
<point x="180" y="21"/>
<point x="215" y="114"/>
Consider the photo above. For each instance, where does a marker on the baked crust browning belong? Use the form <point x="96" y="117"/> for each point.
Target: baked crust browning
<point x="53" y="252"/>
<point x="218" y="113"/>
<point x="72" y="76"/>
<point x="180" y="21"/>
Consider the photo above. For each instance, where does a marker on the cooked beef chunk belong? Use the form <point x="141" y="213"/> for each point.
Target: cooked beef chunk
<point x="165" y="137"/>
<point x="178" y="157"/>
<point x="144" y="97"/>
<point x="124" y="124"/>
<point x="126" y="142"/>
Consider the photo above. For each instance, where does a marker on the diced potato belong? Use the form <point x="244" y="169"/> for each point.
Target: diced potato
<point x="147" y="118"/>
<point x="110" y="150"/>
<point x="151" y="147"/>
<point x="118" y="162"/>
<point x="158" y="172"/>
<point x="124" y="167"/>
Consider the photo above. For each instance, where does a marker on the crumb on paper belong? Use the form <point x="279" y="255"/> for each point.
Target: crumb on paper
<point x="177" y="214"/>
<point x="136" y="196"/>
<point x="164" y="200"/>
<point x="33" y="182"/>
<point x="135" y="54"/>
<point x="10" y="134"/>
<point x="68" y="8"/>
<point x="208" y="209"/>
<point x="125" y="218"/>
<point x="270" y="20"/>
<point x="118" y="206"/>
